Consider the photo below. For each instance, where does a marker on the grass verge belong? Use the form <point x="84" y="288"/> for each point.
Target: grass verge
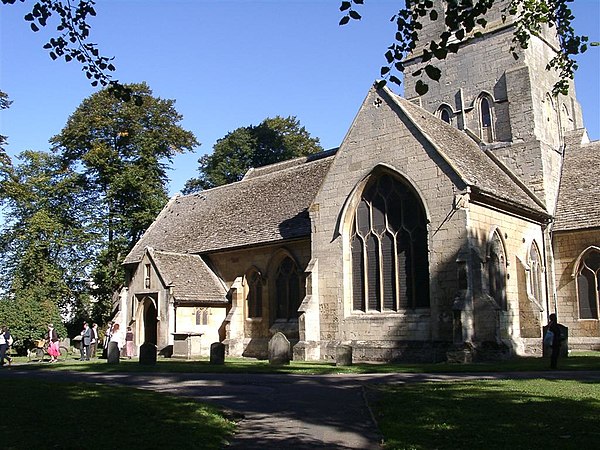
<point x="576" y="361"/>
<point x="42" y="414"/>
<point x="516" y="414"/>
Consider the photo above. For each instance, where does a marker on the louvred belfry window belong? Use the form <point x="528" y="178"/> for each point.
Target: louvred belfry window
<point x="390" y="269"/>
<point x="588" y="285"/>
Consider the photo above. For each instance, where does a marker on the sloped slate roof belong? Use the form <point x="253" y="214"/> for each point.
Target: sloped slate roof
<point x="190" y="278"/>
<point x="578" y="203"/>
<point x="262" y="209"/>
<point x="467" y="159"/>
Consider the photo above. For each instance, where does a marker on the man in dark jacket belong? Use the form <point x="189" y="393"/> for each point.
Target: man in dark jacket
<point x="86" y="340"/>
<point x="554" y="327"/>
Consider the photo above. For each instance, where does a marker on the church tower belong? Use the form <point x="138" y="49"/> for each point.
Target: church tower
<point x="504" y="104"/>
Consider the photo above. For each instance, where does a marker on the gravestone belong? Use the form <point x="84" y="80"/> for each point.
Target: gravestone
<point x="343" y="355"/>
<point x="279" y="350"/>
<point x="114" y="355"/>
<point x="148" y="354"/>
<point x="217" y="353"/>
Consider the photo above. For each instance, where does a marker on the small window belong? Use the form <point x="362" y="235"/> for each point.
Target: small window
<point x="147" y="276"/>
<point x="201" y="316"/>
<point x="535" y="273"/>
<point x="588" y="284"/>
<point x="497" y="271"/>
<point x="255" y="294"/>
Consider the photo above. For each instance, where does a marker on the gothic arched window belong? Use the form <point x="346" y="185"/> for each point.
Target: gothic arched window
<point x="485" y="119"/>
<point x="255" y="294"/>
<point x="497" y="271"/>
<point x="588" y="285"/>
<point x="390" y="268"/>
<point x="535" y="273"/>
<point x="288" y="289"/>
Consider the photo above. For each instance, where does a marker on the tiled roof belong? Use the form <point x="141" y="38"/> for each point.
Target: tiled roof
<point x="468" y="160"/>
<point x="579" y="194"/>
<point x="190" y="278"/>
<point x="261" y="209"/>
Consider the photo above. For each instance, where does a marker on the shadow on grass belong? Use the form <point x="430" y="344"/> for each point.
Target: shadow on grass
<point x="80" y="415"/>
<point x="516" y="414"/>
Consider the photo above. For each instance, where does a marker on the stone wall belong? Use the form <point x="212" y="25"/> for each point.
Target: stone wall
<point x="380" y="138"/>
<point x="254" y="333"/>
<point x="568" y="246"/>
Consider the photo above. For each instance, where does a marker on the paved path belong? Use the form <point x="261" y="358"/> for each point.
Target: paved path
<point x="286" y="411"/>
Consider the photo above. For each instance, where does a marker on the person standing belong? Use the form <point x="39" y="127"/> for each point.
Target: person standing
<point x="129" y="342"/>
<point x="107" y="334"/>
<point x="86" y="340"/>
<point x="115" y="345"/>
<point x="5" y="342"/>
<point x="94" y="343"/>
<point x="53" y="344"/>
<point x="554" y="328"/>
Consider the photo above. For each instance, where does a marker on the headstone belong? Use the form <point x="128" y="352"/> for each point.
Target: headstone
<point x="279" y="350"/>
<point x="114" y="355"/>
<point x="343" y="355"/>
<point x="148" y="354"/>
<point x="217" y="353"/>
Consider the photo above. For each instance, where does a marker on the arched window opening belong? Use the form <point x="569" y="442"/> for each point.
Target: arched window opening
<point x="445" y="113"/>
<point x="485" y="118"/>
<point x="288" y="289"/>
<point x="390" y="268"/>
<point x="201" y="316"/>
<point x="588" y="285"/>
<point x="255" y="294"/>
<point x="497" y="271"/>
<point x="535" y="273"/>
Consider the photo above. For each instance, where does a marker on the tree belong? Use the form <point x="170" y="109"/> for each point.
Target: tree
<point x="273" y="140"/>
<point x="122" y="151"/>
<point x="43" y="245"/>
<point x="4" y="158"/>
<point x="465" y="19"/>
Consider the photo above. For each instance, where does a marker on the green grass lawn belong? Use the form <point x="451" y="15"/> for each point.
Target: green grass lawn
<point x="517" y="414"/>
<point x="577" y="361"/>
<point x="44" y="415"/>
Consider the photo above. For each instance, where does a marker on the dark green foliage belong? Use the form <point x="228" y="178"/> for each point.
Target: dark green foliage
<point x="44" y="244"/>
<point x="462" y="17"/>
<point x="28" y="317"/>
<point x="273" y="140"/>
<point x="122" y="150"/>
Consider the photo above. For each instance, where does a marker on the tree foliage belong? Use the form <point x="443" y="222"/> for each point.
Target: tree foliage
<point x="45" y="249"/>
<point x="4" y="158"/>
<point x="466" y="18"/>
<point x="273" y="140"/>
<point x="122" y="150"/>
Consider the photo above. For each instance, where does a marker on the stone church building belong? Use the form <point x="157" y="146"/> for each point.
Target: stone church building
<point x="451" y="223"/>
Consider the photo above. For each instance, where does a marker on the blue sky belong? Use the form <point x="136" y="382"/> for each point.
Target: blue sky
<point x="227" y="63"/>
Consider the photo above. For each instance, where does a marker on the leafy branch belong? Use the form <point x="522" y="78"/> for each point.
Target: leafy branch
<point x="70" y="43"/>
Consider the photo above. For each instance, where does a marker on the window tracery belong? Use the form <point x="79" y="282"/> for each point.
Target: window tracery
<point x="390" y="268"/>
<point x="588" y="285"/>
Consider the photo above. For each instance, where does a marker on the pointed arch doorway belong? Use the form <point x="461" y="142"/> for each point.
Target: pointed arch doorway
<point x="147" y="319"/>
